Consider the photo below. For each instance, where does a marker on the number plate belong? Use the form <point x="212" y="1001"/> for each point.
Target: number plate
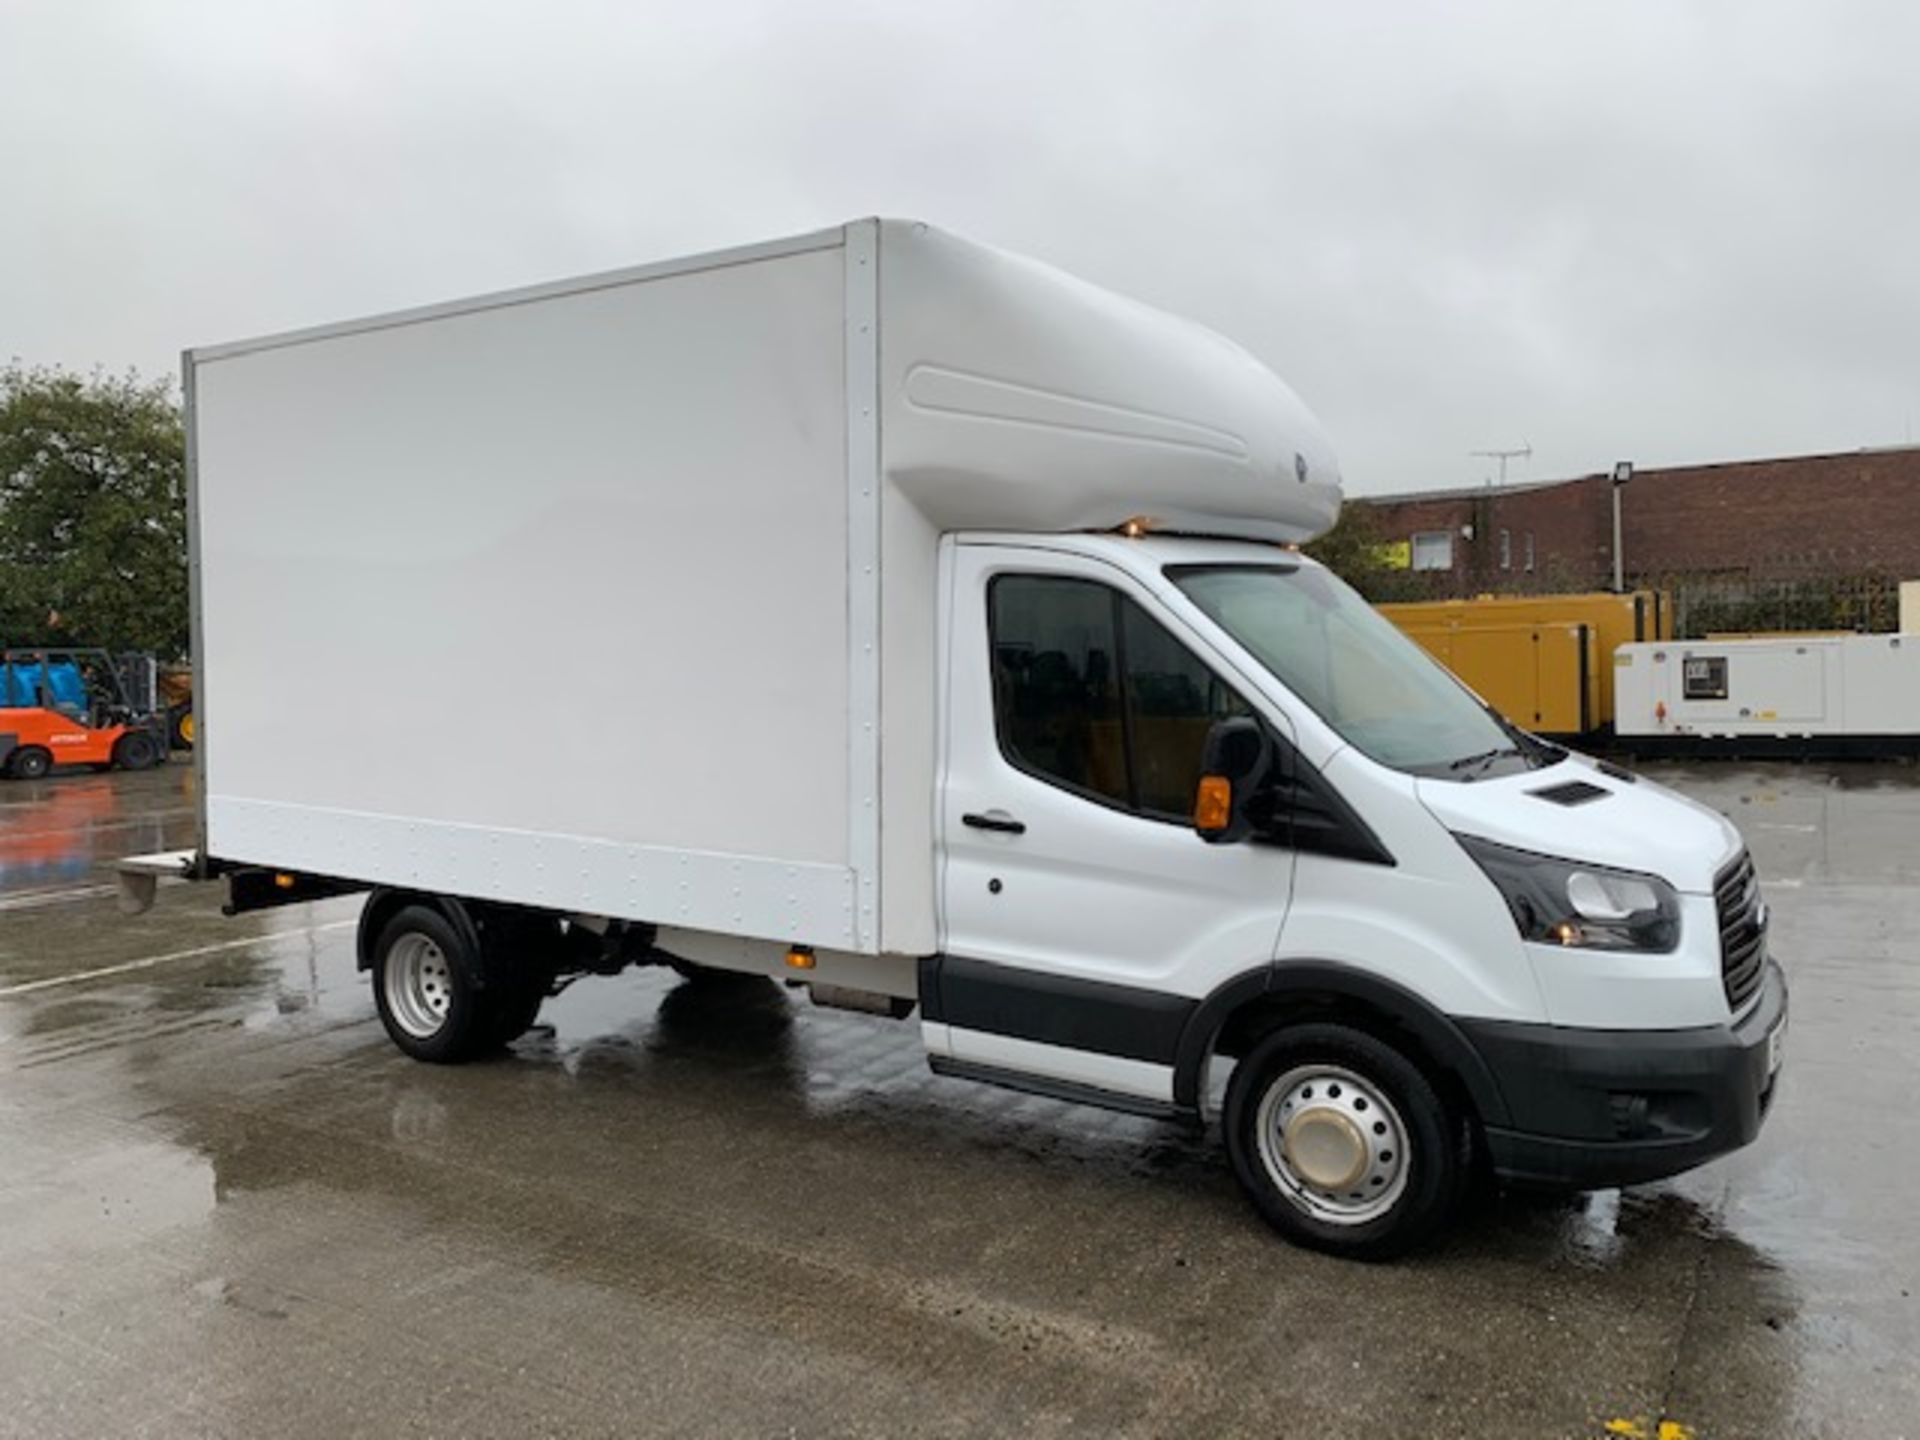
<point x="1776" y="1046"/>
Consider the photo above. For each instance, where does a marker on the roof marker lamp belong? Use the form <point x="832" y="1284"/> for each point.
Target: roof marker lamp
<point x="1579" y="906"/>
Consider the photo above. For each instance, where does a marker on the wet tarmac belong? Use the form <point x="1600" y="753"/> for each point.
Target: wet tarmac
<point x="229" y="1208"/>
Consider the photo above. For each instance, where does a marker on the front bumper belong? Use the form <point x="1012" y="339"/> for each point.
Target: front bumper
<point x="1594" y="1108"/>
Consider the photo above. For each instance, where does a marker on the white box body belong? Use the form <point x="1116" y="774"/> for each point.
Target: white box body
<point x="618" y="596"/>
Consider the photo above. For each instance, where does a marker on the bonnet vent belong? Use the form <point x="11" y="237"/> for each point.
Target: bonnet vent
<point x="1572" y="792"/>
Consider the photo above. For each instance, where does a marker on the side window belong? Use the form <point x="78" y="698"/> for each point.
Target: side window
<point x="1172" y="701"/>
<point x="1056" y="688"/>
<point x="1091" y="692"/>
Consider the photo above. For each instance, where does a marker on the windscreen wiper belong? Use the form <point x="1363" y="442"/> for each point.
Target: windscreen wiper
<point x="1484" y="758"/>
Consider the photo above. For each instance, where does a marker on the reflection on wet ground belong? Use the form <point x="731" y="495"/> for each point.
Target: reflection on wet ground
<point x="52" y="832"/>
<point x="227" y="1206"/>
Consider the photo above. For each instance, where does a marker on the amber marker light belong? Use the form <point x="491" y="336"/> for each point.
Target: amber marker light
<point x="1212" y="804"/>
<point x="800" y="958"/>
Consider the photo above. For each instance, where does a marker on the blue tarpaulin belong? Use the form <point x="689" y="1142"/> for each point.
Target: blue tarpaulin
<point x="22" y="683"/>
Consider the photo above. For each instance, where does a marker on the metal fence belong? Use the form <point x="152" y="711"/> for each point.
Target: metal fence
<point x="1718" y="604"/>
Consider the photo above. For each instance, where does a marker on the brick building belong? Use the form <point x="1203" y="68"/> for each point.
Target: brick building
<point x="1813" y="518"/>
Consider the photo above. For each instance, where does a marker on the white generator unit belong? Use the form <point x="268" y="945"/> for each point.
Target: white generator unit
<point x="1810" y="690"/>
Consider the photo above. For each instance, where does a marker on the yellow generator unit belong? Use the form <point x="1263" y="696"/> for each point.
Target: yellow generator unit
<point x="1543" y="661"/>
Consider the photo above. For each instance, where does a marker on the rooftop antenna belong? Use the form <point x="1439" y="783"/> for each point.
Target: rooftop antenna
<point x="1525" y="452"/>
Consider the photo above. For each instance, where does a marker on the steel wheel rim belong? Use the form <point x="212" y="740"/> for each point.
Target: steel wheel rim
<point x="1333" y="1144"/>
<point x="419" y="986"/>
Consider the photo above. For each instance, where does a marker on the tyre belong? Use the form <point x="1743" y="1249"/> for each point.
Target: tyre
<point x="512" y="1010"/>
<point x="180" y="726"/>
<point x="697" y="974"/>
<point x="424" y="986"/>
<point x="521" y="950"/>
<point x="30" y="762"/>
<point x="1342" y="1143"/>
<point x="136" y="750"/>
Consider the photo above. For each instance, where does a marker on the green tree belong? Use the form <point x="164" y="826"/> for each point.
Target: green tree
<point x="1360" y="553"/>
<point x="1351" y="549"/>
<point x="1356" y="551"/>
<point x="93" y="511"/>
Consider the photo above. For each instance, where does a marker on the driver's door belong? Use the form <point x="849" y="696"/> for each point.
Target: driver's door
<point x="1083" y="918"/>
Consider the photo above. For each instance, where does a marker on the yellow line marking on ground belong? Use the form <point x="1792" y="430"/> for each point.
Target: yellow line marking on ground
<point x="129" y="966"/>
<point x="1638" y="1430"/>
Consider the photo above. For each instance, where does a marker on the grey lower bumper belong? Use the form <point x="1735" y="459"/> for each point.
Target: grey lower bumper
<point x="1594" y="1108"/>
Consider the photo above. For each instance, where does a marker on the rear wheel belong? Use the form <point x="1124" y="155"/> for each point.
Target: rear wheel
<point x="136" y="750"/>
<point x="695" y="973"/>
<point x="180" y="726"/>
<point x="522" y="950"/>
<point x="1343" y="1143"/>
<point x="514" y="1008"/>
<point x="30" y="762"/>
<point x="424" y="986"/>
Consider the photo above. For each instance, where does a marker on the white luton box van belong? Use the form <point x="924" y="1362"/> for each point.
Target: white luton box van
<point x="914" y="621"/>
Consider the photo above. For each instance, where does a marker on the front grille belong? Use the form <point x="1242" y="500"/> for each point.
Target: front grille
<point x="1743" y="930"/>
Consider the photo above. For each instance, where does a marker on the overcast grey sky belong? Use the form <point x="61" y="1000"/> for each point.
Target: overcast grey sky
<point x="1671" y="232"/>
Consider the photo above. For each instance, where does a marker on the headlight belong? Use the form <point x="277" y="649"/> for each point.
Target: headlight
<point x="1564" y="902"/>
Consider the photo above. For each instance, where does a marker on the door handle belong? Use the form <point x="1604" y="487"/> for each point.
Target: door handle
<point x="995" y="820"/>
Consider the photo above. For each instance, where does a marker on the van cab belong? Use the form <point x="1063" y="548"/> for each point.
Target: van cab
<point x="1429" y="934"/>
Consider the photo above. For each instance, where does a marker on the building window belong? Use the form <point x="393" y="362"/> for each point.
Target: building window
<point x="1526" y="550"/>
<point x="1506" y="549"/>
<point x="1433" y="550"/>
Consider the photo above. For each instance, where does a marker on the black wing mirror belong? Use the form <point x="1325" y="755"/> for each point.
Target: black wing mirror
<point x="1236" y="766"/>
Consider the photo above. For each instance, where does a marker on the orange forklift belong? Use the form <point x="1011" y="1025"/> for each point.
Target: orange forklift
<point x="66" y="706"/>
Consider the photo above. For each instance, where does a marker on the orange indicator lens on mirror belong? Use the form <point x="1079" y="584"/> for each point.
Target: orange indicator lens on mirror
<point x="1213" y="804"/>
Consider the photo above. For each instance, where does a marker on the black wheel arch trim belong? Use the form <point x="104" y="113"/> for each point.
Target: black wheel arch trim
<point x="1437" y="1034"/>
<point x="385" y="901"/>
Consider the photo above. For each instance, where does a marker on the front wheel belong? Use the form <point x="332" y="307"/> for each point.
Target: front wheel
<point x="1342" y="1142"/>
<point x="424" y="987"/>
<point x="30" y="762"/>
<point x="136" y="750"/>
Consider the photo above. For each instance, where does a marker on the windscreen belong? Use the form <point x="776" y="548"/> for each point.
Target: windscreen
<point x="1379" y="690"/>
